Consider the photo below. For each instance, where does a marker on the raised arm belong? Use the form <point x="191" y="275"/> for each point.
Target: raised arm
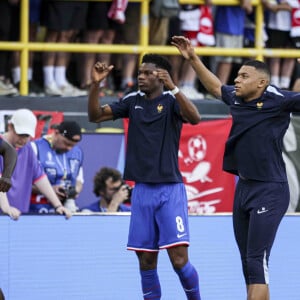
<point x="96" y="112"/>
<point x="211" y="82"/>
<point x="9" y="158"/>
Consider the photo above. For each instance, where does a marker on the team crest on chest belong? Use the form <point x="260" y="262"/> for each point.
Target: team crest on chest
<point x="259" y="105"/>
<point x="160" y="108"/>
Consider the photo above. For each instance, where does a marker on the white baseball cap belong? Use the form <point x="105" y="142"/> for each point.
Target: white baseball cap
<point x="24" y="122"/>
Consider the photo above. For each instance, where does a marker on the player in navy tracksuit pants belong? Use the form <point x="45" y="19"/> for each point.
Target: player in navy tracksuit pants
<point x="261" y="116"/>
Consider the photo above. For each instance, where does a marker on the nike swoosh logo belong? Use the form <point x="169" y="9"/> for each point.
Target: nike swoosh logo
<point x="138" y="107"/>
<point x="262" y="211"/>
<point x="146" y="294"/>
<point x="236" y="102"/>
<point x="180" y="235"/>
<point x="191" y="290"/>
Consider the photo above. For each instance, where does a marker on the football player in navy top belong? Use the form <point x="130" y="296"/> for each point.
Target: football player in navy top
<point x="159" y="216"/>
<point x="261" y="115"/>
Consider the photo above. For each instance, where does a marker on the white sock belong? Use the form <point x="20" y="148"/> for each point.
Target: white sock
<point x="48" y="75"/>
<point x="285" y="82"/>
<point x="60" y="76"/>
<point x="275" y="80"/>
<point x="16" y="75"/>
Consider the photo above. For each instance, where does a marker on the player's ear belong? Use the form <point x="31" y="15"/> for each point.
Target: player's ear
<point x="263" y="82"/>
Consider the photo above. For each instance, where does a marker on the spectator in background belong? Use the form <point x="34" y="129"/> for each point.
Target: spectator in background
<point x="99" y="29"/>
<point x="28" y="170"/>
<point x="6" y="25"/>
<point x="109" y="186"/>
<point x="62" y="19"/>
<point x="159" y="216"/>
<point x="158" y="35"/>
<point x="249" y="30"/>
<point x="197" y="25"/>
<point x="34" y="88"/>
<point x="129" y="33"/>
<point x="61" y="159"/>
<point x="229" y="31"/>
<point x="278" y="28"/>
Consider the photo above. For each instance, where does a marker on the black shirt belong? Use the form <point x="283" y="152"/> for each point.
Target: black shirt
<point x="254" y="147"/>
<point x="153" y="137"/>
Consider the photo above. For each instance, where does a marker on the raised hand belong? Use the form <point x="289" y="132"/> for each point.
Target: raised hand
<point x="184" y="46"/>
<point x="100" y="71"/>
<point x="165" y="77"/>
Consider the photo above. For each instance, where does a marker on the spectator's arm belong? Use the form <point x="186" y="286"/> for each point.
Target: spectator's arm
<point x="78" y="187"/>
<point x="46" y="189"/>
<point x="13" y="212"/>
<point x="274" y="7"/>
<point x="247" y="6"/>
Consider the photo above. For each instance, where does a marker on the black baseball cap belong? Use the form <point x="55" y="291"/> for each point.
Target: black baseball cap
<point x="70" y="130"/>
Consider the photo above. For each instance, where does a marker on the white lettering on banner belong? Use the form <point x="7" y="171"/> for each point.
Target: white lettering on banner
<point x="209" y="189"/>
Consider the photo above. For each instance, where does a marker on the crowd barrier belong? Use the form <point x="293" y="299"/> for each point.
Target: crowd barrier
<point x="25" y="46"/>
<point x="85" y="258"/>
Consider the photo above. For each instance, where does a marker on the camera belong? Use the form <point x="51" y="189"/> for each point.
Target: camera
<point x="129" y="189"/>
<point x="69" y="191"/>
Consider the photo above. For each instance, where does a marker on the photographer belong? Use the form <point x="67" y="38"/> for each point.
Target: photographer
<point x="61" y="159"/>
<point x="108" y="185"/>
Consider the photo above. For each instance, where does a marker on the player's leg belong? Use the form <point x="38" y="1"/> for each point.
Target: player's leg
<point x="240" y="218"/>
<point x="172" y="221"/>
<point x="270" y="202"/>
<point x="143" y="237"/>
<point x="258" y="292"/>
<point x="149" y="276"/>
<point x="186" y="272"/>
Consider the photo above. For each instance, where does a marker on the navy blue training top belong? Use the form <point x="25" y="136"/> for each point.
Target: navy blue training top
<point x="254" y="147"/>
<point x="153" y="137"/>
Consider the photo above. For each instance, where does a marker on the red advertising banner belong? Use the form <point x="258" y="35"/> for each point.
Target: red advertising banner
<point x="209" y="188"/>
<point x="46" y="119"/>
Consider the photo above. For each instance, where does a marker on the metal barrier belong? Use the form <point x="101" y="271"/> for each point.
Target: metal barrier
<point x="24" y="46"/>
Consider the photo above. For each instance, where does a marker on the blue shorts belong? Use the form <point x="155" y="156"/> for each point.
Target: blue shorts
<point x="159" y="217"/>
<point x="258" y="210"/>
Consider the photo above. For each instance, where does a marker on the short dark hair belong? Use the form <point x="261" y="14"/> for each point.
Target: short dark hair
<point x="258" y="65"/>
<point x="102" y="175"/>
<point x="157" y="60"/>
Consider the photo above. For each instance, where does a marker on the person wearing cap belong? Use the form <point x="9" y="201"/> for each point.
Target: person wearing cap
<point x="61" y="159"/>
<point x="28" y="171"/>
